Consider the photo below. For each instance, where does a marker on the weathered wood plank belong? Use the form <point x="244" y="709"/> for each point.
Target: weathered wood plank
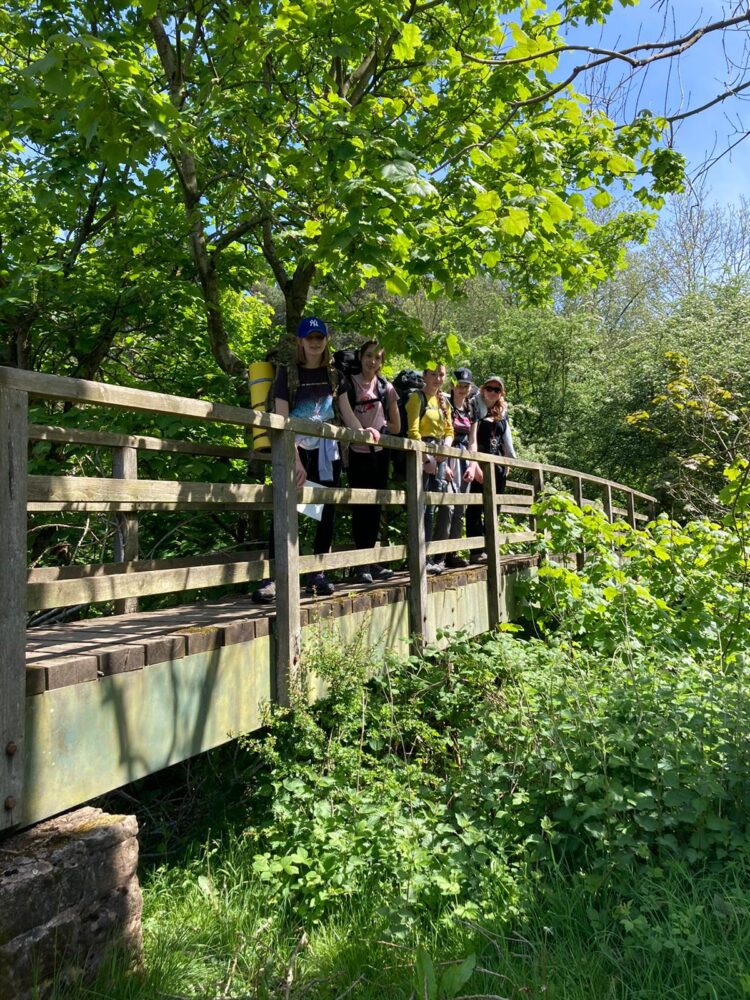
<point x="132" y="506"/>
<point x="351" y="557"/>
<point x="537" y="482"/>
<point x="286" y="569"/>
<point x="125" y="466"/>
<point x="85" y="488"/>
<point x="49" y="574"/>
<point x="420" y="626"/>
<point x="469" y="499"/>
<point x="607" y="502"/>
<point x="477" y="542"/>
<point x="107" y="439"/>
<point x="492" y="548"/>
<point x="344" y="495"/>
<point x="630" y="501"/>
<point x="578" y="497"/>
<point x="13" y="447"/>
<point x="88" y="490"/>
<point x="111" y="586"/>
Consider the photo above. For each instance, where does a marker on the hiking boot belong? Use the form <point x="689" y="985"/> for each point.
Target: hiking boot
<point x="266" y="593"/>
<point x="319" y="585"/>
<point x="362" y="574"/>
<point x="480" y="558"/>
<point x="454" y="561"/>
<point x="433" y="568"/>
<point x="381" y="572"/>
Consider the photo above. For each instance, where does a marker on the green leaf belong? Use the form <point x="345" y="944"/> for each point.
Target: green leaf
<point x="516" y="222"/>
<point x="396" y="285"/>
<point x="455" y="976"/>
<point x="408" y="43"/>
<point x="427" y="987"/>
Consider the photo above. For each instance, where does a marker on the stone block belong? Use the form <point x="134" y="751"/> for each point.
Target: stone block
<point x="68" y="891"/>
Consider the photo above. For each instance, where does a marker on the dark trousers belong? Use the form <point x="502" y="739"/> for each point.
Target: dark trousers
<point x="434" y="482"/>
<point x="474" y="513"/>
<point x="367" y="471"/>
<point x="324" y="530"/>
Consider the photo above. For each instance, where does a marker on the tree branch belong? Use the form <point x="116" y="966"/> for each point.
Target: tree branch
<point x="272" y="258"/>
<point x="222" y="242"/>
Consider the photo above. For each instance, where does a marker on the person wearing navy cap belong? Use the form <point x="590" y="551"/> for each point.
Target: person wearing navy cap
<point x="307" y="390"/>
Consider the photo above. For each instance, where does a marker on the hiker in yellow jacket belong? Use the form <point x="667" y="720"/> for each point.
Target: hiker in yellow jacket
<point x="428" y="418"/>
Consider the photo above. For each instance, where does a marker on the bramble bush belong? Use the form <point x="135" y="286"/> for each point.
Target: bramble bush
<point x="615" y="740"/>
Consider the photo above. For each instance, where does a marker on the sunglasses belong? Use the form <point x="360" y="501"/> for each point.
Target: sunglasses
<point x="492" y="388"/>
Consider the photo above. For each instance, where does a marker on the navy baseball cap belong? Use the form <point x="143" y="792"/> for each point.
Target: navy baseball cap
<point x="463" y="375"/>
<point x="311" y="324"/>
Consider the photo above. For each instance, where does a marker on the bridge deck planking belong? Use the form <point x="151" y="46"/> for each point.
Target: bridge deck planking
<point x="89" y="734"/>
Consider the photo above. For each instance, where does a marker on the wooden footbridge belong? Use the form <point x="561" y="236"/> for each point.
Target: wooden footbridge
<point x="88" y="706"/>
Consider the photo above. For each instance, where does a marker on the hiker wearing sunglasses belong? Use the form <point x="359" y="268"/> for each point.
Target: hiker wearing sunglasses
<point x="489" y="434"/>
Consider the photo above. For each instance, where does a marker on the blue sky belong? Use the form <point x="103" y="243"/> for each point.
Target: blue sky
<point x="698" y="76"/>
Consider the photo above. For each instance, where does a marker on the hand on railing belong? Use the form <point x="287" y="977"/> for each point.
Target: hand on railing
<point x="472" y="473"/>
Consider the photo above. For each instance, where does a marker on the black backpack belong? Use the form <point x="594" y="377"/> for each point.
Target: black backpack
<point x="406" y="383"/>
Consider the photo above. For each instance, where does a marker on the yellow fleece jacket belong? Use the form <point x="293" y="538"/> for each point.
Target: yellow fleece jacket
<point x="435" y="422"/>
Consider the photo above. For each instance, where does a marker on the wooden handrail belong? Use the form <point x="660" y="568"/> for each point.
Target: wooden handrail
<point x="46" y="386"/>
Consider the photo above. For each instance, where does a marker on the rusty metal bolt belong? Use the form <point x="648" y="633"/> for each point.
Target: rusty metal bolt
<point x="11" y="749"/>
<point x="10" y="803"/>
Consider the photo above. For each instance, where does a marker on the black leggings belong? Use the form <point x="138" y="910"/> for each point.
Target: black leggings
<point x="324" y="530"/>
<point x="475" y="513"/>
<point x="367" y="471"/>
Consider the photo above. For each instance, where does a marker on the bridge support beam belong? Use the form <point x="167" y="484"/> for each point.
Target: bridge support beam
<point x="125" y="466"/>
<point x="492" y="540"/>
<point x="286" y="560"/>
<point x="13" y="449"/>
<point x="419" y="622"/>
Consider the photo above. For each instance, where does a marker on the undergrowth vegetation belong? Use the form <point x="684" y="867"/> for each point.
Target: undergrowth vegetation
<point x="555" y="812"/>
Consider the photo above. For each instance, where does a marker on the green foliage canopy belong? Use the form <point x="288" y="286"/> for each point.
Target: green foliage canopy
<point x="319" y="145"/>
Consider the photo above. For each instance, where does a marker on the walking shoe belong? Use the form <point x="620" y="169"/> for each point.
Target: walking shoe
<point x="433" y="568"/>
<point x="480" y="558"/>
<point x="380" y="572"/>
<point x="319" y="585"/>
<point x="362" y="574"/>
<point x="454" y="561"/>
<point x="266" y="593"/>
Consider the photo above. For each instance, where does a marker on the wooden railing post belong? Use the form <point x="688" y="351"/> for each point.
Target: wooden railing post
<point x="578" y="497"/>
<point x="607" y="502"/>
<point x="630" y="501"/>
<point x="286" y="561"/>
<point x="13" y="469"/>
<point x="492" y="545"/>
<point x="125" y="466"/>
<point x="419" y="624"/>
<point x="537" y="485"/>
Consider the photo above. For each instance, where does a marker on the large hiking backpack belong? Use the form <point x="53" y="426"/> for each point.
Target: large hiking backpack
<point x="406" y="383"/>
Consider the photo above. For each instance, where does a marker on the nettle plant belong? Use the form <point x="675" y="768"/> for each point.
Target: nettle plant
<point x="678" y="588"/>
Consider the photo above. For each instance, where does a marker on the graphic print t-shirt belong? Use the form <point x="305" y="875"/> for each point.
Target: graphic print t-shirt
<point x="313" y="399"/>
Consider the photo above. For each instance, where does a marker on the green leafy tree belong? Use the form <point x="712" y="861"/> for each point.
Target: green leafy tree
<point x="318" y="146"/>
